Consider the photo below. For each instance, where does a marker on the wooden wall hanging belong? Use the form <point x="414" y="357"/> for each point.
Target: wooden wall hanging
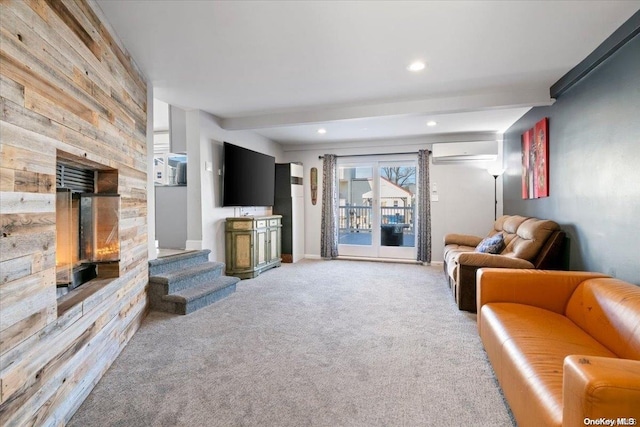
<point x="314" y="185"/>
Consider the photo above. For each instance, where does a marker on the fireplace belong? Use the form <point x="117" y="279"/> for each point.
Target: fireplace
<point x="86" y="236"/>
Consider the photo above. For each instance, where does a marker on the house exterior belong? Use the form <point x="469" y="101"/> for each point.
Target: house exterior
<point x="396" y="202"/>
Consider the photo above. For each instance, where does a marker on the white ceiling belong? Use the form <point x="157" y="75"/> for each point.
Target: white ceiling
<point x="284" y="68"/>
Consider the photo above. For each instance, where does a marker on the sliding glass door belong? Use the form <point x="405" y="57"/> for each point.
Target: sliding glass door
<point x="377" y="209"/>
<point x="397" y="204"/>
<point x="356" y="235"/>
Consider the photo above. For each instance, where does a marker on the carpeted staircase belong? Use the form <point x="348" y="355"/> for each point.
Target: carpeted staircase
<point x="186" y="282"/>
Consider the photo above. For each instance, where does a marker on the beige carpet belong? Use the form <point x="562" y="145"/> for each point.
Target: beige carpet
<point x="317" y="343"/>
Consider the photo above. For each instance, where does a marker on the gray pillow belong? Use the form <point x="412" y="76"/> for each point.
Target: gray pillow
<point x="491" y="245"/>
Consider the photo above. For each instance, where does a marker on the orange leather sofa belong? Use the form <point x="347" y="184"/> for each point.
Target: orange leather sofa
<point x="565" y="346"/>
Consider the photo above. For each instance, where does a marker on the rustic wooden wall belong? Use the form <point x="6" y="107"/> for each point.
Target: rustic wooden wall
<point x="66" y="88"/>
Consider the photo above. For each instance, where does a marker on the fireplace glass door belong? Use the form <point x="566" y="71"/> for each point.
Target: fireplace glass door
<point x="67" y="227"/>
<point x="86" y="235"/>
<point x="99" y="215"/>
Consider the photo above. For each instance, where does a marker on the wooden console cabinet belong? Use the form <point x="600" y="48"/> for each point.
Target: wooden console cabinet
<point x="252" y="245"/>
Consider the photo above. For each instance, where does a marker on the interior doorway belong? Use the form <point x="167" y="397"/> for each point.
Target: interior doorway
<point x="170" y="178"/>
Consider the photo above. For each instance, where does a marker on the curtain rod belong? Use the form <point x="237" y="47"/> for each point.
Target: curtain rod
<point x="378" y="154"/>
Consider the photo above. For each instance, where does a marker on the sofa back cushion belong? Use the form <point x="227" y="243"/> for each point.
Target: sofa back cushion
<point x="608" y="310"/>
<point x="507" y="225"/>
<point x="529" y="238"/>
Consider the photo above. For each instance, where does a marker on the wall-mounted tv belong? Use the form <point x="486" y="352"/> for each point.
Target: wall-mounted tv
<point x="248" y="177"/>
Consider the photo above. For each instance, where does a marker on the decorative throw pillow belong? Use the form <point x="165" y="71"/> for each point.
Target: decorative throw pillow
<point x="491" y="245"/>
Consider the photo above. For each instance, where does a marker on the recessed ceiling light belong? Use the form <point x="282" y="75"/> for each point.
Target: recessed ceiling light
<point x="322" y="131"/>
<point x="416" y="66"/>
<point x="431" y="123"/>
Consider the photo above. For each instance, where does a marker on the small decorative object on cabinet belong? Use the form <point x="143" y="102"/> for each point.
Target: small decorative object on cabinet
<point x="252" y="245"/>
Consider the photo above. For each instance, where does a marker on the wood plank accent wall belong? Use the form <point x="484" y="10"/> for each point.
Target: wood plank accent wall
<point x="66" y="89"/>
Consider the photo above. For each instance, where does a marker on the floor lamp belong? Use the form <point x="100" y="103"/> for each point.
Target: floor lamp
<point x="495" y="173"/>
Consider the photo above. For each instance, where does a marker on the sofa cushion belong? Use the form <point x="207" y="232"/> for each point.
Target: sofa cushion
<point x="451" y="250"/>
<point x="491" y="245"/>
<point x="609" y="310"/>
<point x="527" y="346"/>
<point x="510" y="224"/>
<point x="529" y="238"/>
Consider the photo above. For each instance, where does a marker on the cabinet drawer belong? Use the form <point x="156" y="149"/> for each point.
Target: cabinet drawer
<point x="261" y="224"/>
<point x="274" y="222"/>
<point x="241" y="225"/>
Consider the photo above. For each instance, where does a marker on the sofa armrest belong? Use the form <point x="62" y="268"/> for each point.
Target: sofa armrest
<point x="462" y="239"/>
<point x="548" y="289"/>
<point x="600" y="387"/>
<point x="481" y="259"/>
<point x="467" y="265"/>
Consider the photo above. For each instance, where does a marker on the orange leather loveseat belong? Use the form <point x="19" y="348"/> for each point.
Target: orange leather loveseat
<point x="565" y="346"/>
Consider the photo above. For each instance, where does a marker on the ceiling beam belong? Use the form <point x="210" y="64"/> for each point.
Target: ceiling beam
<point x="514" y="98"/>
<point x="418" y="141"/>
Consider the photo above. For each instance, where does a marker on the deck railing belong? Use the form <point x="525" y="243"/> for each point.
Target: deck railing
<point x="357" y="219"/>
<point x="354" y="219"/>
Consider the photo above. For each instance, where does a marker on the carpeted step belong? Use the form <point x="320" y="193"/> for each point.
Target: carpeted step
<point x="192" y="299"/>
<point x="174" y="281"/>
<point x="177" y="262"/>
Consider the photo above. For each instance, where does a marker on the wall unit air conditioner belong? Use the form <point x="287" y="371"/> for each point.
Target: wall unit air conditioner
<point x="464" y="151"/>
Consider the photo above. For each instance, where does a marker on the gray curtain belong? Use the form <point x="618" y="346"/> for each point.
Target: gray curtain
<point x="424" y="208"/>
<point x="329" y="223"/>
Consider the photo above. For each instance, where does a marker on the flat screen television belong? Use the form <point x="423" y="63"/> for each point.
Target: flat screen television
<point x="248" y="177"/>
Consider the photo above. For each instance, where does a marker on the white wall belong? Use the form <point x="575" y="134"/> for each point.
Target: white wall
<point x="171" y="216"/>
<point x="204" y="147"/>
<point x="466" y="202"/>
<point x="194" y="182"/>
<point x="465" y="190"/>
<point x="178" y="129"/>
<point x="151" y="193"/>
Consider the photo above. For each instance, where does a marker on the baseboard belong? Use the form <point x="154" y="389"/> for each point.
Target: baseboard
<point x="394" y="260"/>
<point x="313" y="256"/>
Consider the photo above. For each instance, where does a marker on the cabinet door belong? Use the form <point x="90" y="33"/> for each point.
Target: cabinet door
<point x="274" y="244"/>
<point x="242" y="248"/>
<point x="262" y="247"/>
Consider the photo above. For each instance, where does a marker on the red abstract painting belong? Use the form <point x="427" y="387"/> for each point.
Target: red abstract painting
<point x="541" y="141"/>
<point x="527" y="178"/>
<point x="535" y="161"/>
